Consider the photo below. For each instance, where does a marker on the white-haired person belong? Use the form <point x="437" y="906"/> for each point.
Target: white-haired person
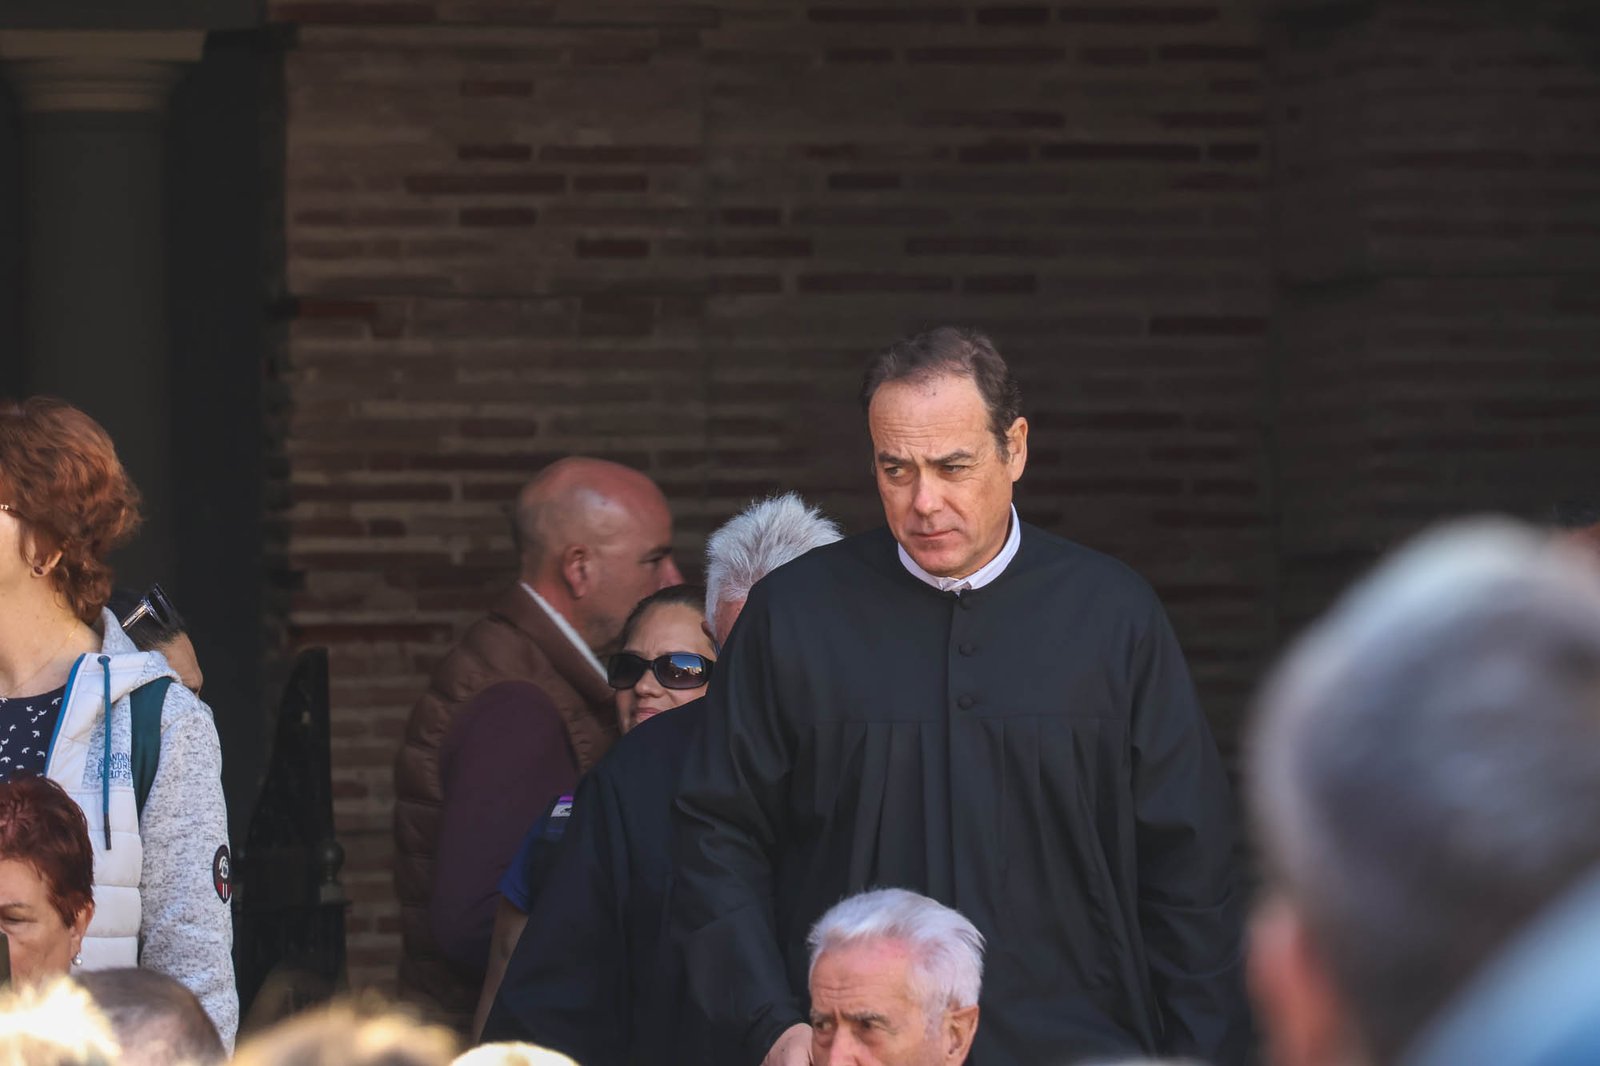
<point x="895" y="978"/>
<point x="593" y="974"/>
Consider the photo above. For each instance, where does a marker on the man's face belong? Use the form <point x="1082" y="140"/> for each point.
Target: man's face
<point x="946" y="489"/>
<point x="631" y="562"/>
<point x="864" y="1012"/>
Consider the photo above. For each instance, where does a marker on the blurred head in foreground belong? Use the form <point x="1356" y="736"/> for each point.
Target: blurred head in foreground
<point x="512" y="1055"/>
<point x="346" y="1035"/>
<point x="1425" y="773"/>
<point x="156" y="1020"/>
<point x="54" y="1024"/>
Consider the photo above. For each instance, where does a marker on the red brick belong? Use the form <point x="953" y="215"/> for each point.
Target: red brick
<point x="865" y="217"/>
<point x="1021" y="119"/>
<point x="746" y="283"/>
<point x="1121" y="421"/>
<point x="751" y="216"/>
<point x="995" y="152"/>
<point x="484" y="184"/>
<point x="1234" y="153"/>
<point x="868" y="284"/>
<point x="498" y="216"/>
<point x="986" y="246"/>
<point x="1207" y="326"/>
<point x="1008" y="55"/>
<point x="611" y="248"/>
<point x="478" y="90"/>
<point x="1112" y="152"/>
<point x="499" y="153"/>
<point x="610" y="183"/>
<point x="1209" y="53"/>
<point x="1019" y="15"/>
<point x="1000" y="283"/>
<point x="314" y="308"/>
<point x="626" y="154"/>
<point x="611" y="56"/>
<point x="359" y="13"/>
<point x="859" y="55"/>
<point x="1210" y="120"/>
<point x="863" y="181"/>
<point x="1135" y="14"/>
<point x="896" y="14"/>
<point x="1120" y="55"/>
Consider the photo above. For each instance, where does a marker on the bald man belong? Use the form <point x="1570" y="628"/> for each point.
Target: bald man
<point x="516" y="712"/>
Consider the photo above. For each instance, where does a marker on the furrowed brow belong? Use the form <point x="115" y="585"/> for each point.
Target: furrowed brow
<point x="885" y="459"/>
<point x="953" y="457"/>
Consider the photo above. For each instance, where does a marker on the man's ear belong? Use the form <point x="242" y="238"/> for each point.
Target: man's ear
<point x="577" y="570"/>
<point x="1017" y="448"/>
<point x="960" y="1026"/>
<point x="1301" y="1010"/>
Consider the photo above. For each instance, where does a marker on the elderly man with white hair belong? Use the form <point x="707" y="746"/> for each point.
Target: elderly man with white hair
<point x="593" y="975"/>
<point x="895" y="978"/>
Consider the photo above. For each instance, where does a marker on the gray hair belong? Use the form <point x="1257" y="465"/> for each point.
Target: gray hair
<point x="946" y="949"/>
<point x="1425" y="769"/>
<point x="758" y="540"/>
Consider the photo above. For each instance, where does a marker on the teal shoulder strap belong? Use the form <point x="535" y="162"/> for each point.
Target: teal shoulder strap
<point x="145" y="703"/>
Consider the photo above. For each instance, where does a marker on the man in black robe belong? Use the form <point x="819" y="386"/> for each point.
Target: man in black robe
<point x="979" y="711"/>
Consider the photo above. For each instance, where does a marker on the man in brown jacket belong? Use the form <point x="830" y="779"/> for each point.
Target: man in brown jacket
<point x="516" y="712"/>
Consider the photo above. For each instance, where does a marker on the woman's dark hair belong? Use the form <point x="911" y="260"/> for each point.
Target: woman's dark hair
<point x="951" y="350"/>
<point x="686" y="595"/>
<point x="42" y="826"/>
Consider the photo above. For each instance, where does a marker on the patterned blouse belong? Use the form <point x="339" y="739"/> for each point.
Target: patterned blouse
<point x="26" y="725"/>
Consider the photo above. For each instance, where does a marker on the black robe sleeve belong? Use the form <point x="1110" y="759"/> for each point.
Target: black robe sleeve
<point x="1187" y="900"/>
<point x="728" y="819"/>
<point x="566" y="986"/>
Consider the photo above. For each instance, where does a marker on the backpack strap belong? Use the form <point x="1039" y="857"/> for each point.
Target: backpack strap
<point x="145" y="705"/>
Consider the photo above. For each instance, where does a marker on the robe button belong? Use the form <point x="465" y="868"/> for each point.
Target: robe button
<point x="966" y="702"/>
<point x="967" y="649"/>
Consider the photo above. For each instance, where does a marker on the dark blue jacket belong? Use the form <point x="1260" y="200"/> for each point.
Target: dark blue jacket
<point x="593" y="975"/>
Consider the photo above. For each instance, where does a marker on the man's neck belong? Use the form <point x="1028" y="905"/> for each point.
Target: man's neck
<point x="559" y="605"/>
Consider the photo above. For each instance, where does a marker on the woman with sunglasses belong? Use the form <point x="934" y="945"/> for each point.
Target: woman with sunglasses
<point x="666" y="655"/>
<point x="70" y="679"/>
<point x="665" y="662"/>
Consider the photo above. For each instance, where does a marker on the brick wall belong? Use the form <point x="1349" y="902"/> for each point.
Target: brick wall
<point x="1437" y="259"/>
<point x="670" y="233"/>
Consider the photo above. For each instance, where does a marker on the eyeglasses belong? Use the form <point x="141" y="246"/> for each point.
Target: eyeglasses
<point x="676" y="669"/>
<point x="155" y="606"/>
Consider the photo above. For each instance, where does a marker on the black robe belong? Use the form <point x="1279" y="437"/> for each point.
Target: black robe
<point x="593" y="975"/>
<point x="1030" y="753"/>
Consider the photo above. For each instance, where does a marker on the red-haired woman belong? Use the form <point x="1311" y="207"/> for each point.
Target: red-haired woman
<point x="67" y="670"/>
<point x="46" y="877"/>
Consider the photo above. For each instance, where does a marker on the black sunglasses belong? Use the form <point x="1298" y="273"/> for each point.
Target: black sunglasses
<point x="676" y="669"/>
<point x="155" y="606"/>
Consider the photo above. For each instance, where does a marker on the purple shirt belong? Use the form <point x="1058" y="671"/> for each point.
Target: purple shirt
<point x="506" y="758"/>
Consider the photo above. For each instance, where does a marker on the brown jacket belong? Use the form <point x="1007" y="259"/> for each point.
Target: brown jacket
<point x="516" y="641"/>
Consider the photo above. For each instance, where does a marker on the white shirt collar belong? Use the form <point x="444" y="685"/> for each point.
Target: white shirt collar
<point x="978" y="578"/>
<point x="566" y="629"/>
